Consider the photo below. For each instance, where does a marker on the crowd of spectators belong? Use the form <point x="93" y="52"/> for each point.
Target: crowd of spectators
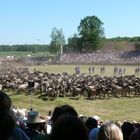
<point x="101" y="57"/>
<point x="63" y="123"/>
<point x="97" y="57"/>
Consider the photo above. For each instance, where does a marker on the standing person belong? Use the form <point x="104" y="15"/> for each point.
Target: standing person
<point x="124" y="71"/>
<point x="120" y="71"/>
<point x="92" y="69"/>
<point x="101" y="69"/>
<point x="89" y="70"/>
<point x="78" y="70"/>
<point x="8" y="128"/>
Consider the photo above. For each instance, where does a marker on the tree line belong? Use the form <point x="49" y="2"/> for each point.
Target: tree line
<point x="89" y="37"/>
<point x="129" y="39"/>
<point x="26" y="47"/>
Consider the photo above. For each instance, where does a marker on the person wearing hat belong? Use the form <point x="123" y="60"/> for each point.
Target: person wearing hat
<point x="91" y="123"/>
<point x="36" y="129"/>
<point x="97" y="119"/>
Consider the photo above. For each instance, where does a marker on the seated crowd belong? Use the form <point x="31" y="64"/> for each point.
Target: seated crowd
<point x="101" y="57"/>
<point x="63" y="123"/>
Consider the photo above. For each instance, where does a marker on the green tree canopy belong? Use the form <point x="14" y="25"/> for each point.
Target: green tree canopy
<point x="91" y="33"/>
<point x="57" y="40"/>
<point x="74" y="43"/>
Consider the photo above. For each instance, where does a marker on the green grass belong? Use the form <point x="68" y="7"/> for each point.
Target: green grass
<point x="112" y="109"/>
<point x="130" y="69"/>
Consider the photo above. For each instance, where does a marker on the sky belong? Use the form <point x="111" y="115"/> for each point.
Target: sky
<point x="31" y="21"/>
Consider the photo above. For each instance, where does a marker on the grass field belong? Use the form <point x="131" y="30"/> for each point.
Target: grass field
<point x="107" y="109"/>
<point x="130" y="69"/>
<point x="112" y="109"/>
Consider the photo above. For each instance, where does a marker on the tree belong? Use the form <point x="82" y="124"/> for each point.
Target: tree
<point x="91" y="33"/>
<point x="74" y="43"/>
<point x="57" y="40"/>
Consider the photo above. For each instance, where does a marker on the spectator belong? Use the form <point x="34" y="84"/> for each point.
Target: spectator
<point x="83" y="118"/>
<point x="97" y="119"/>
<point x="135" y="135"/>
<point x="63" y="110"/>
<point x="49" y="123"/>
<point x="91" y="123"/>
<point x="93" y="133"/>
<point x="127" y="129"/>
<point x="118" y="123"/>
<point x="36" y="127"/>
<point x="8" y="129"/>
<point x="69" y="128"/>
<point x="101" y="57"/>
<point x="110" y="131"/>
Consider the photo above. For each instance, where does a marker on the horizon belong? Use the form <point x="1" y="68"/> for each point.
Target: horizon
<point x="66" y="41"/>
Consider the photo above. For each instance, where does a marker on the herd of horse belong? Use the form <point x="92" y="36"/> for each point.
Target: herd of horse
<point x="74" y="86"/>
